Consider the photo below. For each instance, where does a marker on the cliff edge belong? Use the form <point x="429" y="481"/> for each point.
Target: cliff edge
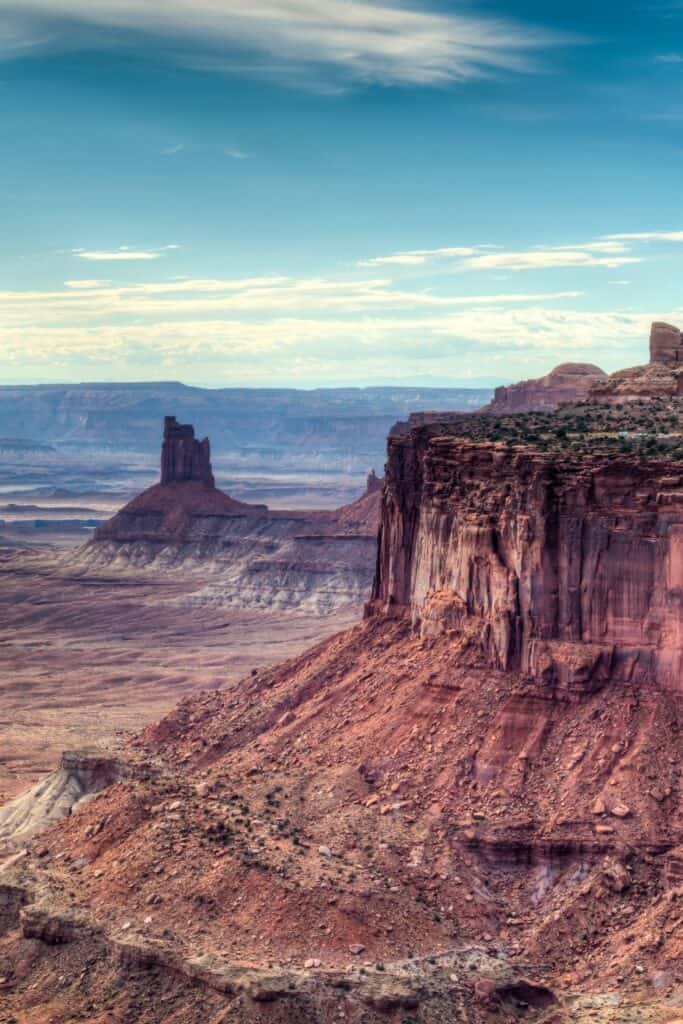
<point x="565" y="567"/>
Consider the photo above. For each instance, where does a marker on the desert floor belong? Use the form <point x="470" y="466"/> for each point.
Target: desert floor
<point x="83" y="658"/>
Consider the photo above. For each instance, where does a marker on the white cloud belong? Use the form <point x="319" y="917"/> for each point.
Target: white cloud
<point x="649" y="236"/>
<point x="86" y="302"/>
<point x="299" y="349"/>
<point x="607" y="252"/>
<point x="173" y="150"/>
<point x="544" y="259"/>
<point x="236" y="154"/>
<point x="370" y="42"/>
<point x="123" y="253"/>
<point x="99" y="256"/>
<point x="416" y="257"/>
<point x="606" y="246"/>
<point x="86" y="285"/>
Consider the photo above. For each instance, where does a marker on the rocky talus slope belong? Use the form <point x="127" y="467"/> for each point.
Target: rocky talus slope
<point x="467" y="808"/>
<point x="249" y="555"/>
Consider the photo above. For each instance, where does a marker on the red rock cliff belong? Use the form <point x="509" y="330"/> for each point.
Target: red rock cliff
<point x="566" y="568"/>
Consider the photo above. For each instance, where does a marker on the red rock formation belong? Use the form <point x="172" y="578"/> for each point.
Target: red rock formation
<point x="569" y="382"/>
<point x="666" y="345"/>
<point x="318" y="559"/>
<point x="490" y="761"/>
<point x="661" y="377"/>
<point x="183" y="457"/>
<point x="166" y="512"/>
<point x="373" y="483"/>
<point x="565" y="568"/>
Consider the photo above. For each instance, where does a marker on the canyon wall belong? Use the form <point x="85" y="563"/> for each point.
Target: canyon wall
<point x="568" y="569"/>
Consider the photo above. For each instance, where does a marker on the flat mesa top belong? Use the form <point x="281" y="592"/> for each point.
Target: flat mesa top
<point x="649" y="428"/>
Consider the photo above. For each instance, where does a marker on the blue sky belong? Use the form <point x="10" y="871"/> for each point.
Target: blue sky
<point x="336" y="192"/>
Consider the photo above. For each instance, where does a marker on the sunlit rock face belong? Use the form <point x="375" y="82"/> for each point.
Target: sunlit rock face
<point x="661" y="378"/>
<point x="567" y="568"/>
<point x="569" y="382"/>
<point x="666" y="345"/>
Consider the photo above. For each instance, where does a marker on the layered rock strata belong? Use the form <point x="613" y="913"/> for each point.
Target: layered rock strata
<point x="666" y="345"/>
<point x="490" y="761"/>
<point x="251" y="556"/>
<point x="569" y="382"/>
<point x="575" y="382"/>
<point x="661" y="377"/>
<point x="568" y="569"/>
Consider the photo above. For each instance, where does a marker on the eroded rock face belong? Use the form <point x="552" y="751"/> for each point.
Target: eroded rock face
<point x="183" y="457"/>
<point x="568" y="570"/>
<point x="569" y="382"/>
<point x="662" y="377"/>
<point x="666" y="345"/>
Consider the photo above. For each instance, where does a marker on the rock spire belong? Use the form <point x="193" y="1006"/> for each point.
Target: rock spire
<point x="183" y="457"/>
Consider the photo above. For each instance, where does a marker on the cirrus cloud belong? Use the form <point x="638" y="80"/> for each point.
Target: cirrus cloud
<point x="390" y="42"/>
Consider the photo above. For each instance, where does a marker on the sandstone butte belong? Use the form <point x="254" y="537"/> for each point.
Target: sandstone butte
<point x="466" y="808"/>
<point x="187" y="507"/>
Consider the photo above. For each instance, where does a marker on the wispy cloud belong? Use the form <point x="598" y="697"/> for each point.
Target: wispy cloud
<point x="100" y="256"/>
<point x="87" y="285"/>
<point x="89" y="300"/>
<point x="122" y="254"/>
<point x="236" y="154"/>
<point x="611" y="251"/>
<point x="648" y="236"/>
<point x="300" y="349"/>
<point x="365" y="41"/>
<point x="173" y="150"/>
<point x="669" y="58"/>
<point x="416" y="257"/>
<point x="546" y="259"/>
